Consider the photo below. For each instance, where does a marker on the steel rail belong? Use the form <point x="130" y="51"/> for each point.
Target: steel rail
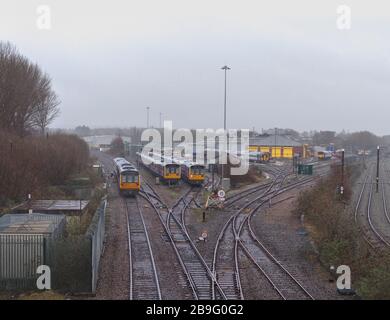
<point x="138" y="234"/>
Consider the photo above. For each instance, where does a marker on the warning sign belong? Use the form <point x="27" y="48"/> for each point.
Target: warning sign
<point x="221" y="193"/>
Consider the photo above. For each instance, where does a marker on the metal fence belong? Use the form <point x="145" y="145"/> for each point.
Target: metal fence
<point x="96" y="233"/>
<point x="22" y="252"/>
<point x="74" y="260"/>
<point x="20" y="256"/>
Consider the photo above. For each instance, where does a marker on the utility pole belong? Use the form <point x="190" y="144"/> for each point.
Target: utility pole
<point x="295" y="163"/>
<point x="160" y="120"/>
<point x="377" y="168"/>
<point x="342" y="173"/>
<point x="147" y="117"/>
<point x="225" y="68"/>
<point x="212" y="177"/>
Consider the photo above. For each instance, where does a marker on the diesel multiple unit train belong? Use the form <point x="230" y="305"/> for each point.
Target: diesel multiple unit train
<point x="191" y="172"/>
<point x="161" y="166"/>
<point x="127" y="177"/>
<point x="324" y="155"/>
<point x="171" y="170"/>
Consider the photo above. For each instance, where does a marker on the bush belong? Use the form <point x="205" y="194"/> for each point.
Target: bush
<point x="376" y="283"/>
<point x="31" y="164"/>
<point x="338" y="238"/>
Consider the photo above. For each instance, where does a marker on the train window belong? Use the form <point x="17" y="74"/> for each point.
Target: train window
<point x="173" y="169"/>
<point x="130" y="178"/>
<point x="197" y="170"/>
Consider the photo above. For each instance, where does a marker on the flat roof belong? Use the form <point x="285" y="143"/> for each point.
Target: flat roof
<point x="278" y="141"/>
<point x="53" y="205"/>
<point x="29" y="223"/>
<point x="35" y="227"/>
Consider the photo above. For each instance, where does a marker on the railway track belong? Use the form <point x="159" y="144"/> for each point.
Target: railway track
<point x="231" y="200"/>
<point x="374" y="238"/>
<point x="143" y="275"/>
<point x="370" y="221"/>
<point x="225" y="258"/>
<point x="144" y="282"/>
<point x="285" y="284"/>
<point x="237" y="234"/>
<point x="199" y="277"/>
<point x="223" y="280"/>
<point x="321" y="168"/>
<point x="384" y="185"/>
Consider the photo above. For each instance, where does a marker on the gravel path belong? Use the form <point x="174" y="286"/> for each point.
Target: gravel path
<point x="114" y="277"/>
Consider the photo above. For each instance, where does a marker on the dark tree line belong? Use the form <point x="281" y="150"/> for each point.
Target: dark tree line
<point x="355" y="140"/>
<point x="27" y="101"/>
<point x="33" y="163"/>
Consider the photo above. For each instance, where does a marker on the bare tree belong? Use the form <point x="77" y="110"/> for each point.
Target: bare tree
<point x="26" y="97"/>
<point x="46" y="110"/>
<point x="117" y="146"/>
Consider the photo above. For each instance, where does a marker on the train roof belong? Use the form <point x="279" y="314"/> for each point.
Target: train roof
<point x="157" y="158"/>
<point x="124" y="166"/>
<point x="187" y="162"/>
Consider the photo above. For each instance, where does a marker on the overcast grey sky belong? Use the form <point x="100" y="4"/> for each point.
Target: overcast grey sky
<point x="291" y="66"/>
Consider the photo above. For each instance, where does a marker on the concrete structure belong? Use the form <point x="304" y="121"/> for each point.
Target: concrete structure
<point x="278" y="146"/>
<point x="66" y="207"/>
<point x="24" y="243"/>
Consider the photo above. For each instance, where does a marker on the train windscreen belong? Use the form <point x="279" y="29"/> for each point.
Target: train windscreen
<point x="172" y="168"/>
<point x="197" y="170"/>
<point x="129" y="177"/>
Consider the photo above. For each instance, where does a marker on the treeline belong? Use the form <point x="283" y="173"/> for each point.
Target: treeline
<point x="27" y="101"/>
<point x="29" y="162"/>
<point x="356" y="140"/>
<point x="29" y="165"/>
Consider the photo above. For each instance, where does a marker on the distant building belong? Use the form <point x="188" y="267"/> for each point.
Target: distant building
<point x="103" y="142"/>
<point x="278" y="146"/>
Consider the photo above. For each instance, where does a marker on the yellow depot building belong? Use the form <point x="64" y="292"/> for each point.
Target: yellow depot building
<point x="278" y="146"/>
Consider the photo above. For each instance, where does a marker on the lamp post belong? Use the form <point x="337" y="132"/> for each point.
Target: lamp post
<point x="225" y="68"/>
<point x="377" y="168"/>
<point x="147" y="117"/>
<point x="276" y="131"/>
